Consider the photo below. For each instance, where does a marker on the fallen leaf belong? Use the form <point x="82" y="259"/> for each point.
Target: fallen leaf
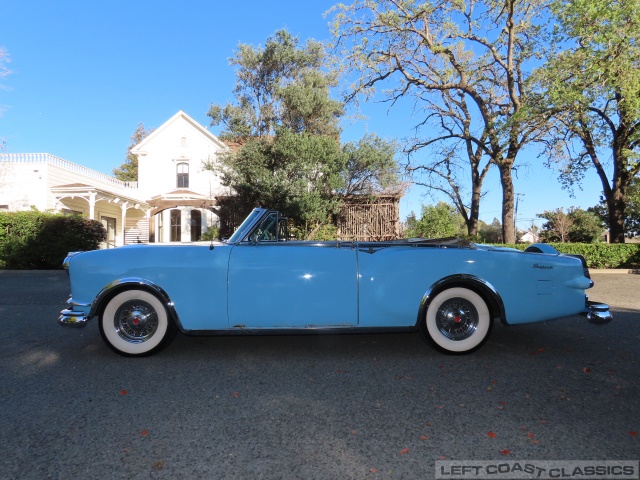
<point x="633" y="434"/>
<point x="404" y="450"/>
<point x="492" y="434"/>
<point x="123" y="392"/>
<point x="159" y="465"/>
<point x="530" y="435"/>
<point x="586" y="370"/>
<point x="424" y="437"/>
<point x="144" y="433"/>
<point x="442" y="457"/>
<point x="354" y="432"/>
<point x="373" y="470"/>
<point x="236" y="394"/>
<point x="505" y="452"/>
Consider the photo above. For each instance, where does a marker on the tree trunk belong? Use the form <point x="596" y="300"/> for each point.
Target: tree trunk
<point x="506" y="180"/>
<point x="474" y="213"/>
<point x="616" y="204"/>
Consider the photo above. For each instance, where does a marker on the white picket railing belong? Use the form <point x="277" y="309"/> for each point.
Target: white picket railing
<point x="67" y="165"/>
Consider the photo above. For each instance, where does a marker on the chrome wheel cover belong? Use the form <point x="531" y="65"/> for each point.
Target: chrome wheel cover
<point x="457" y="319"/>
<point x="136" y="321"/>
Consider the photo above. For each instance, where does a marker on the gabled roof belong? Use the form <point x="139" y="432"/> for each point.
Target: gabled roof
<point x="140" y="148"/>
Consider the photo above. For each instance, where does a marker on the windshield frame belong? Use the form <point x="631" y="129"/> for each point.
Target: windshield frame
<point x="247" y="225"/>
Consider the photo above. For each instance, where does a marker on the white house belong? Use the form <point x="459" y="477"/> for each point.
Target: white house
<point x="169" y="202"/>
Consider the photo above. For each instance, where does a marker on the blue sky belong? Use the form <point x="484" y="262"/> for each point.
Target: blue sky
<point x="85" y="74"/>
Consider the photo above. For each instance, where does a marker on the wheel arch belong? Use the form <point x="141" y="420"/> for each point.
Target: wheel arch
<point x="476" y="284"/>
<point x="132" y="283"/>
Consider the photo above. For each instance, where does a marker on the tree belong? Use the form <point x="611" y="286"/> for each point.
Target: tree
<point x="592" y="91"/>
<point x="128" y="171"/>
<point x="368" y="167"/>
<point x="557" y="227"/>
<point x="577" y="225"/>
<point x="296" y="173"/>
<point x="286" y="124"/>
<point x="280" y="84"/>
<point x="632" y="217"/>
<point x="436" y="221"/>
<point x="466" y="61"/>
<point x="491" y="233"/>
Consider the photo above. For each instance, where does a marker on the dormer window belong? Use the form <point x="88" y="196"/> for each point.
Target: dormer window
<point x="182" y="170"/>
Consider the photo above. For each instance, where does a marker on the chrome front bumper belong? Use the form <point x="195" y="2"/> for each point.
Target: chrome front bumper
<point x="598" y="312"/>
<point x="69" y="318"/>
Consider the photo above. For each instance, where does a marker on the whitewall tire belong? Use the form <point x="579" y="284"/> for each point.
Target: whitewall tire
<point x="135" y="323"/>
<point x="457" y="321"/>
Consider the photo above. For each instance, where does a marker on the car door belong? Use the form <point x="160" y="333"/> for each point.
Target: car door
<point x="282" y="284"/>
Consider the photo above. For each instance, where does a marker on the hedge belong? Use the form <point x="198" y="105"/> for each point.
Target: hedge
<point x="599" y="255"/>
<point x="36" y="240"/>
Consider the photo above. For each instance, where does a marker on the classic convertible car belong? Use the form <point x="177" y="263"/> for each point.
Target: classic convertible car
<point x="259" y="281"/>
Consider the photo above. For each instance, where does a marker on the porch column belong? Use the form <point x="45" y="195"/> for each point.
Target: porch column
<point x="124" y="207"/>
<point x="92" y="205"/>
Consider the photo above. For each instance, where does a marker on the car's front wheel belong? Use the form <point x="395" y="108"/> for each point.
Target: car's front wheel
<point x="135" y="323"/>
<point x="457" y="321"/>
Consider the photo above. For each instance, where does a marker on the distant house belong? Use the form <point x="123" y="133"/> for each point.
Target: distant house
<point x="170" y="202"/>
<point x="529" y="237"/>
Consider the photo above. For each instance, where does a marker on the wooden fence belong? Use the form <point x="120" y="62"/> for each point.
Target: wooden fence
<point x="375" y="218"/>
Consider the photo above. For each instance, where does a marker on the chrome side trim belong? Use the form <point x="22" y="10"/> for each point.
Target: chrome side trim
<point x="598" y="313"/>
<point x="482" y="287"/>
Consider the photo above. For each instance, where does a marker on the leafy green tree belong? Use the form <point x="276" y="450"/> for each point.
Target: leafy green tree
<point x="279" y="85"/>
<point x="490" y="233"/>
<point x="592" y="92"/>
<point x="286" y="124"/>
<point x="465" y="65"/>
<point x="368" y="167"/>
<point x="577" y="226"/>
<point x="436" y="221"/>
<point x="128" y="171"/>
<point x="557" y="227"/>
<point x="296" y="173"/>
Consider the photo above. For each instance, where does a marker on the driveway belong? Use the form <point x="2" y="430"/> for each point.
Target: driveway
<point x="334" y="407"/>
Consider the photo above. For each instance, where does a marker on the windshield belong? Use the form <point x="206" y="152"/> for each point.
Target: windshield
<point x="246" y="225"/>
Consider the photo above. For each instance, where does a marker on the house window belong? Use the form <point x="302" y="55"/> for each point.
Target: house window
<point x="176" y="226"/>
<point x="160" y="236"/>
<point x="183" y="175"/>
<point x="196" y="225"/>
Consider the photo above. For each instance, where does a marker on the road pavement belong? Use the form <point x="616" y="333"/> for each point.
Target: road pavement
<point x="334" y="407"/>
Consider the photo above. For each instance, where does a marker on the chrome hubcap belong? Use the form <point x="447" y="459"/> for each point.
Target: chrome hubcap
<point x="136" y="321"/>
<point x="457" y="319"/>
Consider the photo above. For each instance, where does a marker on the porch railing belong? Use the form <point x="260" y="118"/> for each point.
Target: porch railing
<point x="66" y="164"/>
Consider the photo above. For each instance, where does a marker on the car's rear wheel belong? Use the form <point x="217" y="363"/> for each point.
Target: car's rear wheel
<point x="457" y="321"/>
<point x="135" y="323"/>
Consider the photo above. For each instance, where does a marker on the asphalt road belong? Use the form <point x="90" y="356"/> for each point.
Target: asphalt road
<point x="335" y="407"/>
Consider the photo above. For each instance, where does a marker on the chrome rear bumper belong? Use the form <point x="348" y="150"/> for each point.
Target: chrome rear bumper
<point x="598" y="312"/>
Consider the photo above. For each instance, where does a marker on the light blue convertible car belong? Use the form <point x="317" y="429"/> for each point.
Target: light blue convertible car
<point x="259" y="281"/>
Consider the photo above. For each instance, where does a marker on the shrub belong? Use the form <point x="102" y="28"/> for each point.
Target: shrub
<point x="599" y="255"/>
<point x="35" y="240"/>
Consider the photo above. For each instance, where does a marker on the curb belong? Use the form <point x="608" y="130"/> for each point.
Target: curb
<point x="633" y="271"/>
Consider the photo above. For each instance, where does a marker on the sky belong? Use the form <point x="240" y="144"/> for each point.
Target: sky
<point x="84" y="74"/>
